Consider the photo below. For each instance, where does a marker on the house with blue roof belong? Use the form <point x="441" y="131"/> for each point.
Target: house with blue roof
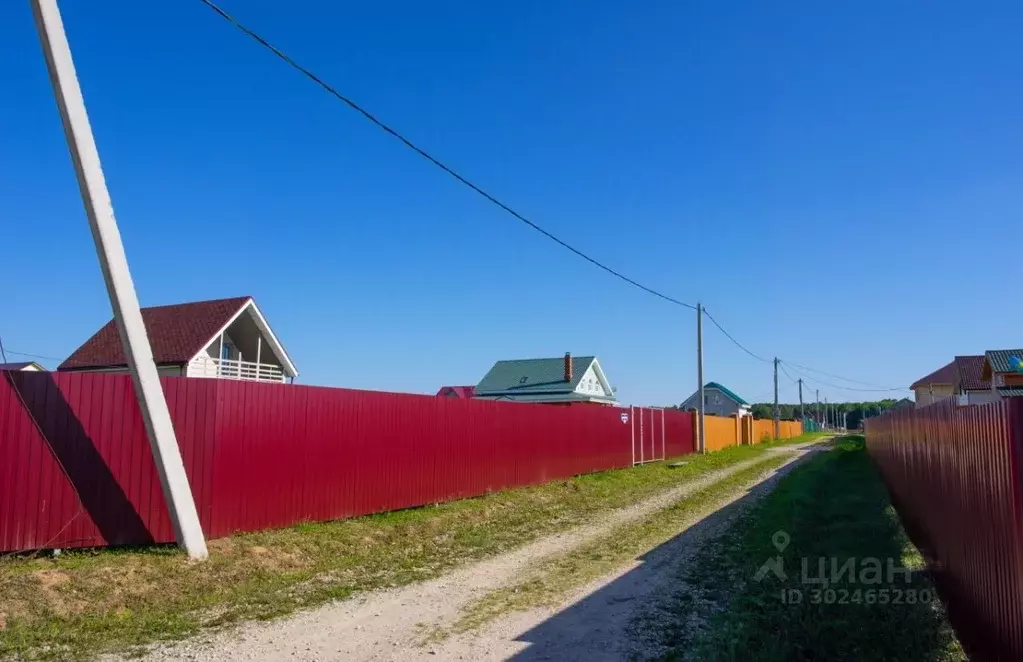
<point x="719" y="401"/>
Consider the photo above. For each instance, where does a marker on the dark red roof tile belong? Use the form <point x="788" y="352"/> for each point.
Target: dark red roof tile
<point x="970" y="369"/>
<point x="457" y="391"/>
<point x="176" y="334"/>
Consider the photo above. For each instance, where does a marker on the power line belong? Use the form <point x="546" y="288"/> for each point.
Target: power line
<point x="844" y="379"/>
<point x="846" y="388"/>
<point x="435" y="161"/>
<point x="474" y="187"/>
<point x="795" y="365"/>
<point x="34" y="356"/>
<point x="729" y="336"/>
<point x="782" y="366"/>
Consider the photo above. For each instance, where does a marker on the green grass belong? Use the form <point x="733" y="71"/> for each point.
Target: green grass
<point x="548" y="583"/>
<point x="833" y="506"/>
<point x="87" y="602"/>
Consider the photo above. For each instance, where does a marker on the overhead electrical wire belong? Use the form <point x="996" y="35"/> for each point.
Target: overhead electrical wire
<point x="432" y="159"/>
<point x="474" y="187"/>
<point x="34" y="356"/>
<point x="845" y="379"/>
<point x="729" y="336"/>
<point x="846" y="388"/>
<point x="782" y="366"/>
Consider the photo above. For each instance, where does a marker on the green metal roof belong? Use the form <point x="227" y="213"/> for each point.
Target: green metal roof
<point x="1011" y="392"/>
<point x="999" y="359"/>
<point x="726" y="391"/>
<point x="533" y="376"/>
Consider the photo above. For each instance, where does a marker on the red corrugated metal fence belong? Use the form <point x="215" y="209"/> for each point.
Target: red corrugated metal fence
<point x="76" y="470"/>
<point x="954" y="476"/>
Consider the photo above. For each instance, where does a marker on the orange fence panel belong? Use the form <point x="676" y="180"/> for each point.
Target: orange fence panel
<point x="721" y="432"/>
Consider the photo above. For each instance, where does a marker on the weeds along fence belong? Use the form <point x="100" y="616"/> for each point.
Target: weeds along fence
<point x="954" y="474"/>
<point x="76" y="468"/>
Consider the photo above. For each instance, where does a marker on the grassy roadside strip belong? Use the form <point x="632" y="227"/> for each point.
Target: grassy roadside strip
<point x="833" y="509"/>
<point x="550" y="581"/>
<point x="87" y="602"/>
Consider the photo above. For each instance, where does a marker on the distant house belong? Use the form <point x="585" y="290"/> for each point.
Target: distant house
<point x="904" y="403"/>
<point x="718" y="400"/>
<point x="223" y="338"/>
<point x="456" y="391"/>
<point x="1003" y="368"/>
<point x="28" y="366"/>
<point x="938" y="385"/>
<point x="572" y="379"/>
<point x="971" y="387"/>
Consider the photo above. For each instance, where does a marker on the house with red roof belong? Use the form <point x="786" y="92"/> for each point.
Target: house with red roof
<point x="222" y="338"/>
<point x="464" y="392"/>
<point x="972" y="387"/>
<point x="938" y="385"/>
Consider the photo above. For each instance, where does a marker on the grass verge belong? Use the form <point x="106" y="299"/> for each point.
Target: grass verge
<point x="87" y="602"/>
<point x="834" y="510"/>
<point x="550" y="581"/>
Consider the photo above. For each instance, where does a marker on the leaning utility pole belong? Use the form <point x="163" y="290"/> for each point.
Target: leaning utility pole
<point x="777" y="413"/>
<point x="802" y="411"/>
<point x="700" y="436"/>
<point x="114" y="265"/>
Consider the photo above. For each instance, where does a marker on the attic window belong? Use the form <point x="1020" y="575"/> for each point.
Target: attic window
<point x="523" y="380"/>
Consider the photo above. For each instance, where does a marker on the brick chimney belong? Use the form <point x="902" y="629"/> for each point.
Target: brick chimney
<point x="568" y="367"/>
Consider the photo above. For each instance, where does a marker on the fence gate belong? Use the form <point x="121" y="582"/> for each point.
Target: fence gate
<point x="648" y="435"/>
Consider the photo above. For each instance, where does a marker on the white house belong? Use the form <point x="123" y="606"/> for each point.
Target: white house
<point x="223" y="338"/>
<point x="719" y="401"/>
<point x="570" y="379"/>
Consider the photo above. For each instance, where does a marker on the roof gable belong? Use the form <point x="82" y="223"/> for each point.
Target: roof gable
<point x="533" y="376"/>
<point x="970" y="370"/>
<point x="732" y="395"/>
<point x="693" y="400"/>
<point x="998" y="360"/>
<point x="176" y="334"/>
<point x="946" y="374"/>
<point x="22" y="365"/>
<point x="593" y="383"/>
<point x="457" y="391"/>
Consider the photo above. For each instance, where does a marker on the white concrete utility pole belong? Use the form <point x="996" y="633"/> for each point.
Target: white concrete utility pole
<point x="701" y="439"/>
<point x="114" y="264"/>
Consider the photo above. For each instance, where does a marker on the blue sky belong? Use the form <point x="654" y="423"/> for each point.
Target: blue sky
<point x="840" y="183"/>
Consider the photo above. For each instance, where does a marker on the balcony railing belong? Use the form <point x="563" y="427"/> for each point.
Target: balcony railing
<point x="206" y="366"/>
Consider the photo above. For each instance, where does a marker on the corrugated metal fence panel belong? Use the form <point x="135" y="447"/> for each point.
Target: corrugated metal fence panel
<point x="720" y="433"/>
<point x="954" y="476"/>
<point x="680" y="436"/>
<point x="292" y="453"/>
<point x="76" y="466"/>
<point x="260" y="456"/>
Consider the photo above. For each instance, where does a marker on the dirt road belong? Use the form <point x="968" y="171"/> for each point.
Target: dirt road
<point x="592" y="623"/>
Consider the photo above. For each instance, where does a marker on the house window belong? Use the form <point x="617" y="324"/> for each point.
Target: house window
<point x="225" y="352"/>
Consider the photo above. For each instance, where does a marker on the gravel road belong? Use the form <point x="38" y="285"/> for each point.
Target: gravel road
<point x="390" y="625"/>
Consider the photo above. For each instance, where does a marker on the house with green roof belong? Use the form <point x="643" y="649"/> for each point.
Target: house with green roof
<point x="572" y="379"/>
<point x="718" y="401"/>
<point x="1004" y="369"/>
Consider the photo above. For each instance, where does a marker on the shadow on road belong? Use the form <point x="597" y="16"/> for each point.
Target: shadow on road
<point x="600" y="625"/>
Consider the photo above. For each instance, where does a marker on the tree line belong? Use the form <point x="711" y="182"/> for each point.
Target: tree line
<point x="855" y="411"/>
